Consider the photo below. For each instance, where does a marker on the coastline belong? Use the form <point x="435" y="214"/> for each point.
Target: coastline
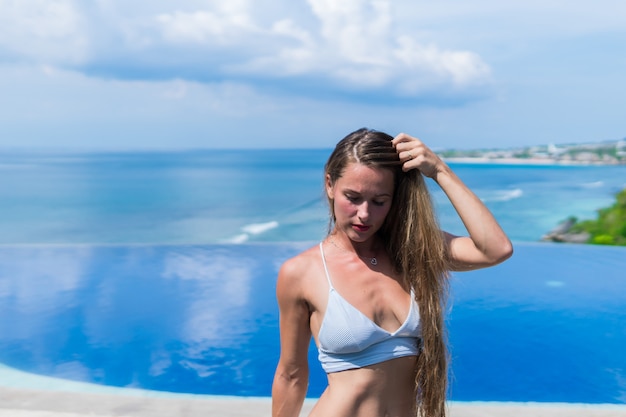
<point x="522" y="161"/>
<point x="595" y="153"/>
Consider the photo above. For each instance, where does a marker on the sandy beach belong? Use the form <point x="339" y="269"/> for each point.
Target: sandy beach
<point x="52" y="403"/>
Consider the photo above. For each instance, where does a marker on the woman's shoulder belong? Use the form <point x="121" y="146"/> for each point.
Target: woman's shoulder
<point x="299" y="264"/>
<point x="300" y="270"/>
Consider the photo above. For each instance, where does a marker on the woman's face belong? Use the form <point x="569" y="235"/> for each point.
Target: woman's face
<point x="362" y="197"/>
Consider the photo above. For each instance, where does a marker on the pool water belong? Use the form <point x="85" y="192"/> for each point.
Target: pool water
<point x="547" y="325"/>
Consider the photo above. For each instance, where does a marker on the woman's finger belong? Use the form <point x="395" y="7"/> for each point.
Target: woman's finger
<point x="403" y="138"/>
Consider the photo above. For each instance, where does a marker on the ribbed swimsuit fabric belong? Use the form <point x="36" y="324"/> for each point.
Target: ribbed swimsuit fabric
<point x="348" y="339"/>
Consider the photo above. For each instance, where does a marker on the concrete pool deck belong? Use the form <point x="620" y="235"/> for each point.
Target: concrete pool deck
<point x="24" y="394"/>
<point x="21" y="402"/>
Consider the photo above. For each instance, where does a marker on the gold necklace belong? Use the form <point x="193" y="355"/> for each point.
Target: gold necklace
<point x="372" y="261"/>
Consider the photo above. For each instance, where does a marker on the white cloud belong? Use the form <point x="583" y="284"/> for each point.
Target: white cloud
<point x="358" y="31"/>
<point x="357" y="49"/>
<point x="343" y="47"/>
<point x="462" y="68"/>
<point x="225" y="26"/>
<point x="44" y="31"/>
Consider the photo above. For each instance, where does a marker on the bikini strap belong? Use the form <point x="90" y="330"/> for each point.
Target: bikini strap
<point x="325" y="267"/>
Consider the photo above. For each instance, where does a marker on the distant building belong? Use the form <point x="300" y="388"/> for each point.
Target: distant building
<point x="587" y="157"/>
<point x="620" y="149"/>
<point x="553" y="150"/>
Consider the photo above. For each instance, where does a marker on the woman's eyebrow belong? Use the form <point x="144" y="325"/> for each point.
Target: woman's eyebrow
<point x="351" y="191"/>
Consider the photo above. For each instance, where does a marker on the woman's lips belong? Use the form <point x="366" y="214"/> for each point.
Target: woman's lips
<point x="361" y="227"/>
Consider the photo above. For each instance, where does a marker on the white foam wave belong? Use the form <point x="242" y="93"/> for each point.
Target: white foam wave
<point x="252" y="230"/>
<point x="595" y="184"/>
<point x="258" y="228"/>
<point x="238" y="239"/>
<point x="506" y="195"/>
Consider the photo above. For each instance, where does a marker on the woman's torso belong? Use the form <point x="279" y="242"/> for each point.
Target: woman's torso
<point x="381" y="389"/>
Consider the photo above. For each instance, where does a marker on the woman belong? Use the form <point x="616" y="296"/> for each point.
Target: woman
<point x="372" y="294"/>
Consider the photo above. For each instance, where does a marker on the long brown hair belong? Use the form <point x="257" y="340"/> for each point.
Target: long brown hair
<point x="415" y="245"/>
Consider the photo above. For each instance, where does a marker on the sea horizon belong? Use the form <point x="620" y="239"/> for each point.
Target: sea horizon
<point x="232" y="196"/>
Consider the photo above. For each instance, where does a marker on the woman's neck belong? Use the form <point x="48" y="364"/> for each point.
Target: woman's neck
<point x="368" y="249"/>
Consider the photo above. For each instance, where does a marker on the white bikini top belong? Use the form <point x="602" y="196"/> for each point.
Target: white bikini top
<point x="348" y="339"/>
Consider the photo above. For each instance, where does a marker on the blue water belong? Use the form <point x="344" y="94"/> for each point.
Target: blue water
<point x="157" y="270"/>
<point x="548" y="325"/>
<point x="249" y="196"/>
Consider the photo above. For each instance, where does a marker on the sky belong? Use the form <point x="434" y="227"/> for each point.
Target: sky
<point x="192" y="74"/>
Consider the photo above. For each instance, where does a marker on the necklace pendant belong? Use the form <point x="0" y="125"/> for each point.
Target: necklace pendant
<point x="374" y="261"/>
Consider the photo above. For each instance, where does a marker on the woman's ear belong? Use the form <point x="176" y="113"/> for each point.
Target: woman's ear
<point x="329" y="187"/>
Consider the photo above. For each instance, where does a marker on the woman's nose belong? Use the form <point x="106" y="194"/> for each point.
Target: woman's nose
<point x="364" y="212"/>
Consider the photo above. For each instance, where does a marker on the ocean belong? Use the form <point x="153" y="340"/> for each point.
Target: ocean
<point x="157" y="271"/>
<point x="222" y="196"/>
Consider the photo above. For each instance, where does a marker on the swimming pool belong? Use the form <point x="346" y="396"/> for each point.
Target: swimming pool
<point x="547" y="325"/>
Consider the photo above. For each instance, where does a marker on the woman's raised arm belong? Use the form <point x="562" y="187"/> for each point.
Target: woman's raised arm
<point x="487" y="244"/>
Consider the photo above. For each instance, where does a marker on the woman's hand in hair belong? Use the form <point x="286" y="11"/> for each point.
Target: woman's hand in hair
<point x="487" y="244"/>
<point x="414" y="154"/>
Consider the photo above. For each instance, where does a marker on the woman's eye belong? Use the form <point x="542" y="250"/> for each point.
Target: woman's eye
<point x="379" y="203"/>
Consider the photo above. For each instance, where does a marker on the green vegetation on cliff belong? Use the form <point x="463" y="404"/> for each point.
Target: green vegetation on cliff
<point x="610" y="226"/>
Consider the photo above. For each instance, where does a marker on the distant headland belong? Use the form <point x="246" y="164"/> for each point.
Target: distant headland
<point x="609" y="228"/>
<point x="600" y="153"/>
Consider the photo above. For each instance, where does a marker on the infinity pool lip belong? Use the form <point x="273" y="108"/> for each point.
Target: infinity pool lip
<point x="24" y="394"/>
<point x="49" y="403"/>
